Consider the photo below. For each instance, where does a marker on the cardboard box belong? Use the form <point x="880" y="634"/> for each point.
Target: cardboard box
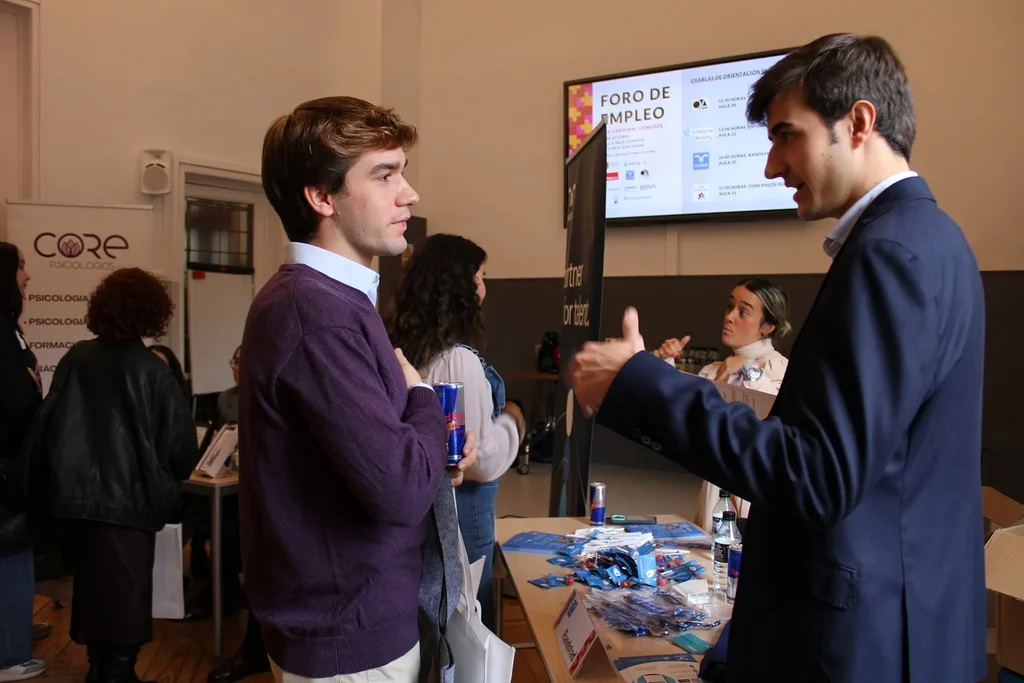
<point x="1004" y="574"/>
<point x="758" y="400"/>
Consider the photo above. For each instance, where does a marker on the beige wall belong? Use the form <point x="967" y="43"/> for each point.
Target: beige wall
<point x="489" y="105"/>
<point x="484" y="85"/>
<point x="197" y="77"/>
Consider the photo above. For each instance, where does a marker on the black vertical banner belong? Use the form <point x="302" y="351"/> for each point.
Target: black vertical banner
<point x="583" y="283"/>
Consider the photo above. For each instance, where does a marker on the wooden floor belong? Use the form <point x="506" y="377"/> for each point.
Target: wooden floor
<point x="183" y="653"/>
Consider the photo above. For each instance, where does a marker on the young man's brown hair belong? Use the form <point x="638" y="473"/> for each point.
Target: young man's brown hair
<point x="315" y="146"/>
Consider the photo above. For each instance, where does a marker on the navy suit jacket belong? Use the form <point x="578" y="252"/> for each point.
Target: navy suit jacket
<point x="863" y="553"/>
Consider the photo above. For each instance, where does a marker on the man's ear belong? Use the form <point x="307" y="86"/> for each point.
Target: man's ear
<point x="321" y="201"/>
<point x="862" y="120"/>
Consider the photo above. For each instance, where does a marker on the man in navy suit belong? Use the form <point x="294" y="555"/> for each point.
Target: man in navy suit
<point x="863" y="552"/>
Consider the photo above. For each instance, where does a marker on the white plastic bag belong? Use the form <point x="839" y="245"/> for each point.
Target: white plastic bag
<point x="480" y="656"/>
<point x="168" y="591"/>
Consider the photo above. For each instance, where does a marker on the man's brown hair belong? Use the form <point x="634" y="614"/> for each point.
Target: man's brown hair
<point x="315" y="146"/>
<point x="837" y="70"/>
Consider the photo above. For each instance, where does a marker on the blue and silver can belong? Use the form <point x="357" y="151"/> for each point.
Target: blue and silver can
<point x="735" y="558"/>
<point x="597" y="498"/>
<point x="453" y="405"/>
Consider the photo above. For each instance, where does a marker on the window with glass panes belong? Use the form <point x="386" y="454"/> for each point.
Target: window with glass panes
<point x="219" y="235"/>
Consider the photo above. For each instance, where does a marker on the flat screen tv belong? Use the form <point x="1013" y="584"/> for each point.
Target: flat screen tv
<point x="679" y="144"/>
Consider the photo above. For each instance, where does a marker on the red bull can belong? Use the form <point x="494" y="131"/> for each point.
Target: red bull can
<point x="453" y="405"/>
<point x="735" y="558"/>
<point x="597" y="498"/>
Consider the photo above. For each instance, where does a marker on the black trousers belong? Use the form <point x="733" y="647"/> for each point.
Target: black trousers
<point x="197" y="522"/>
<point x="113" y="585"/>
<point x="252" y="644"/>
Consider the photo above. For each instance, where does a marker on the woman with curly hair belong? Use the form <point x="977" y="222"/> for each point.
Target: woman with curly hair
<point x="119" y="440"/>
<point x="436" y="320"/>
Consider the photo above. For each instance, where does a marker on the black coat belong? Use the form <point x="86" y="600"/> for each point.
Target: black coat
<point x="19" y="398"/>
<point x="119" y="440"/>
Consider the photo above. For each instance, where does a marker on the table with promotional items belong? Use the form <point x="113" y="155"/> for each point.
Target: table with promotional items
<point x="577" y="646"/>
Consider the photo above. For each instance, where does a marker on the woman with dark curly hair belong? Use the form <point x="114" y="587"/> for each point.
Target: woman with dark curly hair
<point x="119" y="440"/>
<point x="436" y="320"/>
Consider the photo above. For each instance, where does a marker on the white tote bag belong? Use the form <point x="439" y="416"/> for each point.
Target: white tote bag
<point x="480" y="656"/>
<point x="168" y="591"/>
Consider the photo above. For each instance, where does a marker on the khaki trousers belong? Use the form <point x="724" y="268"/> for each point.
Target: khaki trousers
<point x="405" y="669"/>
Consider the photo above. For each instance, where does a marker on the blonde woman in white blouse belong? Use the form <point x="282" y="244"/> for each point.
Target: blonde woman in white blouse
<point x="757" y="313"/>
<point x="436" y="320"/>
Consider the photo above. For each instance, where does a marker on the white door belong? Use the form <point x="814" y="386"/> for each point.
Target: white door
<point x="225" y="233"/>
<point x="267" y="237"/>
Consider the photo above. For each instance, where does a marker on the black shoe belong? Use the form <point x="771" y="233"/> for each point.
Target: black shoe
<point x="202" y="610"/>
<point x="200" y="607"/>
<point x="199" y="610"/>
<point x="242" y="665"/>
<point x="95" y="674"/>
<point x="119" y="665"/>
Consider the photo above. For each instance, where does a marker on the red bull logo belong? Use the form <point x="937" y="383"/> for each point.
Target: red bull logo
<point x="453" y="405"/>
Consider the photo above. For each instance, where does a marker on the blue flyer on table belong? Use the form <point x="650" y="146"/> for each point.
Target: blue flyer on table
<point x="539" y="542"/>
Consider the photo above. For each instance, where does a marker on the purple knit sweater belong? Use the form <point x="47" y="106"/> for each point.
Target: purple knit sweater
<point x="340" y="465"/>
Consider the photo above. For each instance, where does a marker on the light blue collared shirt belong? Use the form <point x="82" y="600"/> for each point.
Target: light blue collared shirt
<point x="346" y="271"/>
<point x="838" y="235"/>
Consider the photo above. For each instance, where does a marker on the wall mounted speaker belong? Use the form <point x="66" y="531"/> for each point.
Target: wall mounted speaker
<point x="155" y="172"/>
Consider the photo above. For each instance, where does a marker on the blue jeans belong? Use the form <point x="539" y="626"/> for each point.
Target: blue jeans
<point x="476" y="502"/>
<point x="17" y="592"/>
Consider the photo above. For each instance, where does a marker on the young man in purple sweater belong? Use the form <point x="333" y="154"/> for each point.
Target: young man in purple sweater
<point x="345" y="460"/>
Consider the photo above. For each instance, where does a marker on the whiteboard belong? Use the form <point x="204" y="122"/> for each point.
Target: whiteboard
<point x="68" y="249"/>
<point x="217" y="307"/>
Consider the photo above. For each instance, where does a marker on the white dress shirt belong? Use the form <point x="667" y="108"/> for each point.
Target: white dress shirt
<point x="838" y="234"/>
<point x="337" y="267"/>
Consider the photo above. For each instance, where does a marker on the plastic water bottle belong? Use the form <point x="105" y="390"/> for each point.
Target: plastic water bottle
<point x="728" y="535"/>
<point x="724" y="503"/>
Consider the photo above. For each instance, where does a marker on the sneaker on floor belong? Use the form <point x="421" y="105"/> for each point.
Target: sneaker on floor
<point x="21" y="672"/>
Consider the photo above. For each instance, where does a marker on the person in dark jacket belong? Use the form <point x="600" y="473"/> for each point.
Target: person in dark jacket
<point x="20" y="396"/>
<point x="165" y="354"/>
<point x="118" y="443"/>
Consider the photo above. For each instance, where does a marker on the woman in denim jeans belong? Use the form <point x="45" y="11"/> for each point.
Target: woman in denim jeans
<point x="20" y="396"/>
<point x="436" y="320"/>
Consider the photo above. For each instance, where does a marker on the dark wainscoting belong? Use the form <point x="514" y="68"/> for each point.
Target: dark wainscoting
<point x="518" y="312"/>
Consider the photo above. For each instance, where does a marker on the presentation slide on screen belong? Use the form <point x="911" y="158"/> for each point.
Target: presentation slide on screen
<point x="679" y="142"/>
